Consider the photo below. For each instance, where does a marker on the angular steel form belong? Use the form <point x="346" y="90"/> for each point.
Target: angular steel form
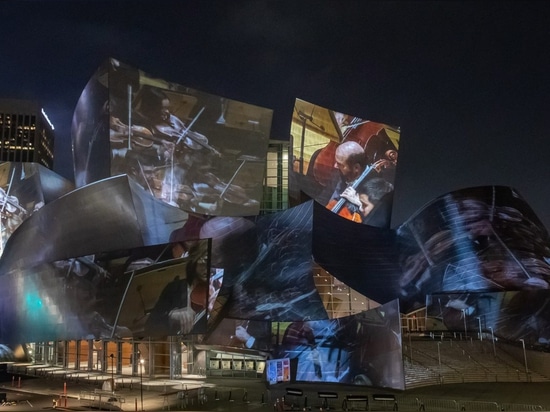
<point x="24" y="189"/>
<point x="108" y="215"/>
<point x="161" y="251"/>
<point x="461" y="251"/>
<point x="363" y="349"/>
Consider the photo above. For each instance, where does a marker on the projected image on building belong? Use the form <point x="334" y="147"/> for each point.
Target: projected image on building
<point x="476" y="239"/>
<point x="168" y="297"/>
<point x="344" y="162"/>
<point x="20" y="196"/>
<point x="483" y="239"/>
<point x="241" y="334"/>
<point x="196" y="151"/>
<point x="148" y="291"/>
<point x="277" y="370"/>
<point x="268" y="265"/>
<point x="513" y="316"/>
<point x="467" y="313"/>
<point x="364" y="349"/>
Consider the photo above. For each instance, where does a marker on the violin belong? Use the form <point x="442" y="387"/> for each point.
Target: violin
<point x="229" y="192"/>
<point x="176" y="129"/>
<point x="140" y="136"/>
<point x="190" y="138"/>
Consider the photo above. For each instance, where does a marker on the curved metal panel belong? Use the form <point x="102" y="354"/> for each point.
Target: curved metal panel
<point x="112" y="214"/>
<point x="363" y="257"/>
<point x="157" y="219"/>
<point x="471" y="240"/>
<point x="99" y="217"/>
<point x="90" y="130"/>
<point x="21" y="194"/>
<point x="53" y="185"/>
<point x="275" y="280"/>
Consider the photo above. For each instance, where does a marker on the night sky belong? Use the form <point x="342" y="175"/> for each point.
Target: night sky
<point x="467" y="82"/>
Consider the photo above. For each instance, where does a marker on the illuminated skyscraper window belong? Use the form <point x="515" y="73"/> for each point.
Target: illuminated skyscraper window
<point x="26" y="134"/>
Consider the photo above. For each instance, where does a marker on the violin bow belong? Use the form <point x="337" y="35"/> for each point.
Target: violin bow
<point x="184" y="133"/>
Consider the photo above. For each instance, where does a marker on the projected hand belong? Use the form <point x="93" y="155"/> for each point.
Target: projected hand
<point x="380" y="164"/>
<point x="351" y="195"/>
<point x="242" y="334"/>
<point x="183" y="319"/>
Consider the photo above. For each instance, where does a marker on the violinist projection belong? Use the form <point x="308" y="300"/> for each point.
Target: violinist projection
<point x="362" y="349"/>
<point x="511" y="315"/>
<point x="344" y="162"/>
<point x="147" y="291"/>
<point x="195" y="151"/>
<point x="20" y="196"/>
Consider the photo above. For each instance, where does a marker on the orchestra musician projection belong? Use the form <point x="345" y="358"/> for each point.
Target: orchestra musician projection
<point x="12" y="214"/>
<point x="347" y="200"/>
<point x="20" y="197"/>
<point x="368" y="196"/>
<point x="198" y="152"/>
<point x="334" y="152"/>
<point x="165" y="156"/>
<point x="182" y="304"/>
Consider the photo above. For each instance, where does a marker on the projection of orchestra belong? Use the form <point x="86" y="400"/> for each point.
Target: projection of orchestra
<point x="477" y="239"/>
<point x="181" y="251"/>
<point x="344" y="162"/>
<point x="192" y="150"/>
<point x="20" y="196"/>
<point x="151" y="291"/>
<point x="363" y="349"/>
<point x="503" y="315"/>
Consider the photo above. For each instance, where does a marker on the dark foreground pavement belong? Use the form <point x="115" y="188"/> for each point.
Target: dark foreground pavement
<point x="231" y="394"/>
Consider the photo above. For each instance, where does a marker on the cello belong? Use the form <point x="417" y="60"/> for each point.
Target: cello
<point x="344" y="211"/>
<point x="340" y="206"/>
<point x="356" y="129"/>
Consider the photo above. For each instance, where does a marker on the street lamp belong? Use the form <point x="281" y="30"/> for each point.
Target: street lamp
<point x="493" y="336"/>
<point x="439" y="355"/>
<point x="141" y="362"/>
<point x="112" y="372"/>
<point x="465" y="328"/>
<point x="524" y="356"/>
<point x="479" y="322"/>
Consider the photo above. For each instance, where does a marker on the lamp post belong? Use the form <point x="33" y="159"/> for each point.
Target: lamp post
<point x="524" y="356"/>
<point x="493" y="337"/>
<point x="141" y="362"/>
<point x="112" y="372"/>
<point x="479" y="322"/>
<point x="465" y="327"/>
<point x="439" y="355"/>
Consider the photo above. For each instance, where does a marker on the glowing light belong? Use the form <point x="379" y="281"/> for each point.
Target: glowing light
<point x="48" y="119"/>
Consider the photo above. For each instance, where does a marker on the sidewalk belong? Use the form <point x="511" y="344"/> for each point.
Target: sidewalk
<point x="85" y="390"/>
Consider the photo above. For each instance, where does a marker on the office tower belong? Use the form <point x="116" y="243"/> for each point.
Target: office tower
<point x="26" y="133"/>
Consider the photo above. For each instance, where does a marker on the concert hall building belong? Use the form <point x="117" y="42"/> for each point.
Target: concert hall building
<point x="193" y="244"/>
